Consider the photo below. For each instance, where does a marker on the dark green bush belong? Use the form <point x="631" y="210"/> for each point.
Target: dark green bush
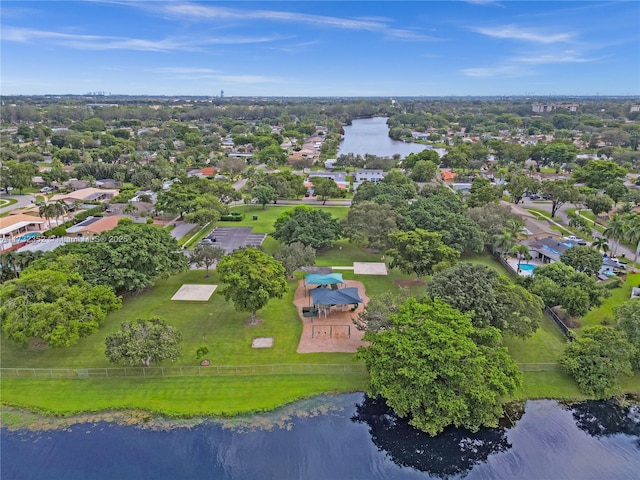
<point x="232" y="217"/>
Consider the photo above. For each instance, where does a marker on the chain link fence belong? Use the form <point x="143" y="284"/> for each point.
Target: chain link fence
<point x="216" y="370"/>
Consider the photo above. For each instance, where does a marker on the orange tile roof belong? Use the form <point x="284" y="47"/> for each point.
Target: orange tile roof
<point x="208" y="171"/>
<point x="447" y="175"/>
<point x="103" y="225"/>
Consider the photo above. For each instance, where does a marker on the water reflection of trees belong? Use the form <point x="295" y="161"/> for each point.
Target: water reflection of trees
<point x="607" y="418"/>
<point x="454" y="452"/>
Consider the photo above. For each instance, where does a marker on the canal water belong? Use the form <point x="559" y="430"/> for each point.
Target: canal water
<point x="337" y="437"/>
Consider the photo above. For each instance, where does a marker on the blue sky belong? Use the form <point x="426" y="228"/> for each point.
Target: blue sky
<point x="331" y="48"/>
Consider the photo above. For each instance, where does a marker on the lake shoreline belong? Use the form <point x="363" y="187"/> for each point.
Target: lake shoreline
<point x="17" y="417"/>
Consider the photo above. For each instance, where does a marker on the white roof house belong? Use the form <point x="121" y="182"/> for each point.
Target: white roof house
<point x="369" y="175"/>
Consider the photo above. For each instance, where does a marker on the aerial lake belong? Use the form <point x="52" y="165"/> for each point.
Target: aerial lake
<point x="333" y="438"/>
<point x="371" y="135"/>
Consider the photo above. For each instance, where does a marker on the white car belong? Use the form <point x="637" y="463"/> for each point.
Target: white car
<point x="574" y="239"/>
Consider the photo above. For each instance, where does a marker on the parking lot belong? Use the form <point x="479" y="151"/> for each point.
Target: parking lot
<point x="232" y="238"/>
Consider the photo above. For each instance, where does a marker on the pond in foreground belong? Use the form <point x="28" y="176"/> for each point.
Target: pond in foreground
<point x="338" y="437"/>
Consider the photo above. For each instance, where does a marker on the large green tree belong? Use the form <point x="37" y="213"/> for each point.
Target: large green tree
<point x="597" y="360"/>
<point x="424" y="171"/>
<point x="442" y="213"/>
<point x="143" y="341"/>
<point x="599" y="173"/>
<point x="420" y="252"/>
<point x="435" y="368"/>
<point x="307" y="225"/>
<point x="264" y="194"/>
<point x="251" y="278"/>
<point x="369" y="224"/>
<point x="206" y="256"/>
<point x="128" y="258"/>
<point x="491" y="299"/>
<point x="482" y="192"/>
<point x="583" y="259"/>
<point x="53" y="305"/>
<point x="376" y="315"/>
<point x="559" y="192"/>
<point x="294" y="256"/>
<point x="325" y="188"/>
<point x="598" y="203"/>
<point x="560" y="284"/>
<point x="518" y="185"/>
<point x="17" y="175"/>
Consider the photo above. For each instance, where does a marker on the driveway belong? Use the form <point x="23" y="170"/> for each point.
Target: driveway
<point x="22" y="201"/>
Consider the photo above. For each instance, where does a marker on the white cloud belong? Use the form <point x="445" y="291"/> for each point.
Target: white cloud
<point x="102" y="42"/>
<point x="560" y="57"/>
<point x="209" y="12"/>
<point x="524" y="34"/>
<point x="497" y="71"/>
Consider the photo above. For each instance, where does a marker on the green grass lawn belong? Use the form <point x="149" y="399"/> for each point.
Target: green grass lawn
<point x="541" y="214"/>
<point x="618" y="296"/>
<point x="216" y="325"/>
<point x="176" y="396"/>
<point x="6" y="202"/>
<point x="268" y="216"/>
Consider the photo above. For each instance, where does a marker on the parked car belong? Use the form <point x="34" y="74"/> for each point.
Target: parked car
<point x="45" y="189"/>
<point x="574" y="239"/>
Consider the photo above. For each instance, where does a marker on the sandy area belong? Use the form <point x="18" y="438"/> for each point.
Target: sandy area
<point x="330" y="333"/>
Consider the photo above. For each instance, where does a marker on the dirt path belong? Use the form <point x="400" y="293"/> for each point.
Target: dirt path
<point x="330" y="333"/>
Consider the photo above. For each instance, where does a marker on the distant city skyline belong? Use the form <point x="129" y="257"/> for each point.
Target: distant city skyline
<point x="395" y="49"/>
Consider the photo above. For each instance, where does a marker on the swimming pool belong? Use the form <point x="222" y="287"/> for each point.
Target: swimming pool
<point x="26" y="236"/>
<point x="527" y="267"/>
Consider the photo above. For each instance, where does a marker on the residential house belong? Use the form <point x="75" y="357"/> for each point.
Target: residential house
<point x="94" y="226"/>
<point x="109" y="183"/>
<point x="547" y="250"/>
<point x="17" y="229"/>
<point x="330" y="163"/>
<point x="335" y="176"/>
<point x="85" y="195"/>
<point x="369" y="175"/>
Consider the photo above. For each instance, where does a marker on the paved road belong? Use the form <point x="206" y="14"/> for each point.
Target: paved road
<point x="22" y="201"/>
<point x="563" y="219"/>
<point x="181" y="229"/>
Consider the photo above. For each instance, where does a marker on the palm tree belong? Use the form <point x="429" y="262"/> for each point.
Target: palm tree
<point x="522" y="251"/>
<point x="59" y="208"/>
<point x="632" y="233"/>
<point x="504" y="242"/>
<point x="601" y="243"/>
<point x="615" y="230"/>
<point x="514" y="227"/>
<point x="48" y="211"/>
<point x="63" y="208"/>
<point x="625" y="208"/>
